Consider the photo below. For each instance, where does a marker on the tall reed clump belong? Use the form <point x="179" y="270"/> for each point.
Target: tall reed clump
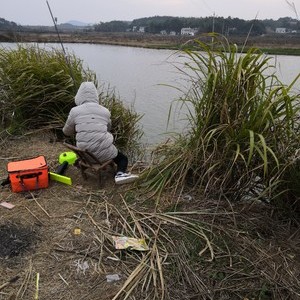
<point x="125" y="124"/>
<point x="243" y="126"/>
<point x="37" y="89"/>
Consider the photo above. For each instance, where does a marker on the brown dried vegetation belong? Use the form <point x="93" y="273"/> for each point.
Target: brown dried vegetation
<point x="199" y="248"/>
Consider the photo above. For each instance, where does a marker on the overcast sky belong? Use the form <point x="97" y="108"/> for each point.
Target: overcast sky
<point x="36" y="12"/>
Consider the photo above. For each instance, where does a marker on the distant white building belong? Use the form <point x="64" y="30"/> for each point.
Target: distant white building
<point x="172" y="32"/>
<point x="142" y="29"/>
<point x="163" y="32"/>
<point x="281" y="30"/>
<point x="188" y="31"/>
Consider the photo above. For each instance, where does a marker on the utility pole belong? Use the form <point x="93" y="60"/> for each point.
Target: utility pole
<point x="213" y="28"/>
<point x="213" y="24"/>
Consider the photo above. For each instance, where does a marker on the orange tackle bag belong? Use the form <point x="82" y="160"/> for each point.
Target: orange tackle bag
<point x="29" y="174"/>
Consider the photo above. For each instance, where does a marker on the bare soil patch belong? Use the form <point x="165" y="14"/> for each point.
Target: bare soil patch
<point x="15" y="240"/>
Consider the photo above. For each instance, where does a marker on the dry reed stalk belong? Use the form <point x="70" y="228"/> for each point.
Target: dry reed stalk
<point x="25" y="283"/>
<point x="61" y="277"/>
<point x="12" y="280"/>
<point x="33" y="215"/>
<point x="133" y="280"/>
<point x="40" y="206"/>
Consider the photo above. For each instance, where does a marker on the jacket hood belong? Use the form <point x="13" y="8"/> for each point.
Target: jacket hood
<point x="87" y="93"/>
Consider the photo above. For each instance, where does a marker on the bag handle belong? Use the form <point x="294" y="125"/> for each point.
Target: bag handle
<point x="29" y="176"/>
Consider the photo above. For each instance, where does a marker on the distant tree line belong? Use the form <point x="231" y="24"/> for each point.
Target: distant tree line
<point x="157" y="24"/>
<point x="7" y="25"/>
<point x="203" y="25"/>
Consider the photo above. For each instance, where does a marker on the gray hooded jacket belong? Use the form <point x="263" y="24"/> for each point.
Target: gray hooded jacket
<point x="91" y="123"/>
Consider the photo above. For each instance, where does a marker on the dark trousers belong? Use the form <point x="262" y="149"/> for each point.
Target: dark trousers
<point x="121" y="161"/>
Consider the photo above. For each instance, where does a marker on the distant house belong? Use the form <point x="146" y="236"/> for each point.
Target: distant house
<point x="142" y="29"/>
<point x="281" y="30"/>
<point x="188" y="31"/>
<point x="172" y="32"/>
<point x="232" y="29"/>
<point x="163" y="32"/>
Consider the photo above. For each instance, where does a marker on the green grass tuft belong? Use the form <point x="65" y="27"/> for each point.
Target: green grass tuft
<point x="242" y="130"/>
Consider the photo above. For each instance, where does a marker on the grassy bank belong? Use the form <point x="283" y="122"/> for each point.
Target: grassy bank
<point x="203" y="239"/>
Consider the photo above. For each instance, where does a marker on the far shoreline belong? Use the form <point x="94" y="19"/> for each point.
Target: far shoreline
<point x="273" y="44"/>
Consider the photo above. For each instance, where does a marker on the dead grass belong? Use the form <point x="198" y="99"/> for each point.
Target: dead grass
<point x="199" y="248"/>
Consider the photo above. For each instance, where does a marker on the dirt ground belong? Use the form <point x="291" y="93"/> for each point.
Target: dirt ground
<point x="51" y="233"/>
<point x="56" y="243"/>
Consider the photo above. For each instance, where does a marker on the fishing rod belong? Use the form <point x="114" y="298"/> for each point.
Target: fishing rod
<point x="61" y="43"/>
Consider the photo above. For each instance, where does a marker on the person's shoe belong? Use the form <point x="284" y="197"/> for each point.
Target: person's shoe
<point x="121" y="178"/>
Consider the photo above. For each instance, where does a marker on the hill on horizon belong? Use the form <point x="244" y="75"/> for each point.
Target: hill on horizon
<point x="78" y="23"/>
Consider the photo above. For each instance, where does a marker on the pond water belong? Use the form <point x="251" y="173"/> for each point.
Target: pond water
<point x="146" y="78"/>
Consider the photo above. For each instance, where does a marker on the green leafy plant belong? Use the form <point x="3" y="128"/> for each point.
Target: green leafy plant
<point x="242" y="126"/>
